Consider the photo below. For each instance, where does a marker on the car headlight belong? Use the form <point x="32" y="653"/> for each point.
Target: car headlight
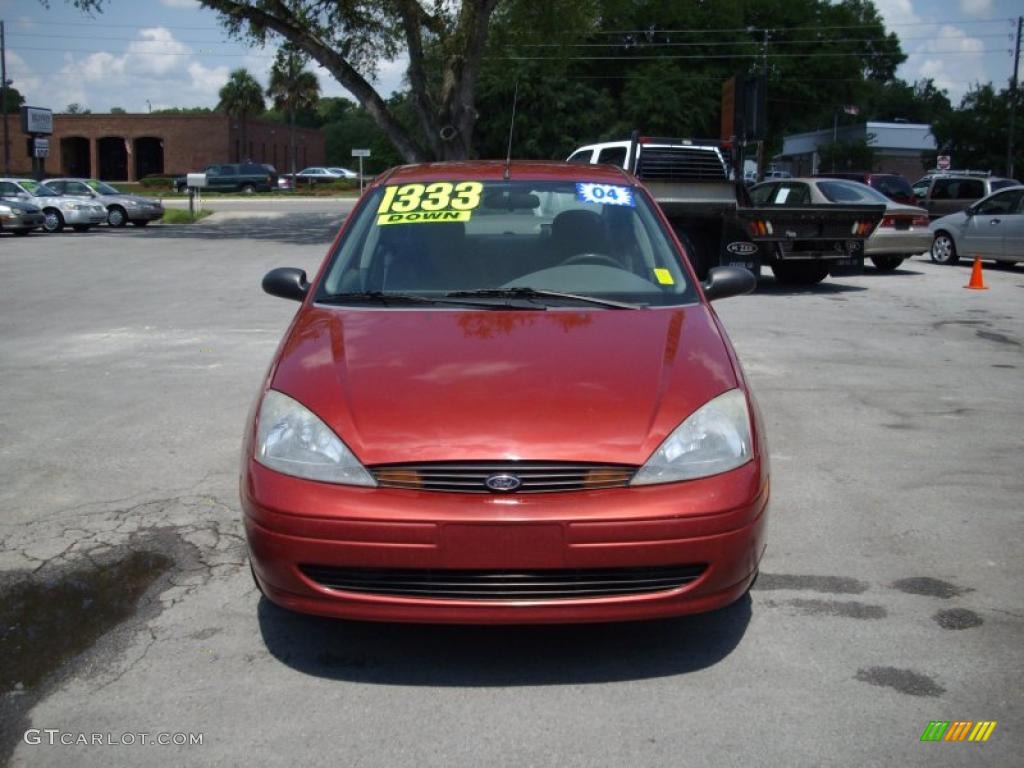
<point x="292" y="440"/>
<point x="130" y="204"/>
<point x="74" y="206"/>
<point x="714" y="439"/>
<point x="6" y="210"/>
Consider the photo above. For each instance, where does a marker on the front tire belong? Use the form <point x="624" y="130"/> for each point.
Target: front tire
<point x="117" y="217"/>
<point x="800" y="272"/>
<point x="248" y="189"/>
<point x="52" y="220"/>
<point x="943" y="249"/>
<point x="886" y="263"/>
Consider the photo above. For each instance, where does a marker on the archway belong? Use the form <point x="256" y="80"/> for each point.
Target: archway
<point x="74" y="157"/>
<point x="113" y="158"/>
<point x="149" y="156"/>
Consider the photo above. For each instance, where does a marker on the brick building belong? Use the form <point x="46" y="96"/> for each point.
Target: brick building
<point x="129" y="147"/>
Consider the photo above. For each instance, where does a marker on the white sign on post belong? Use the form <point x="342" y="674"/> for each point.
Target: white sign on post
<point x="360" y="153"/>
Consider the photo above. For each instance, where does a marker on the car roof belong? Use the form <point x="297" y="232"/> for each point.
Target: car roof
<point x="494" y="170"/>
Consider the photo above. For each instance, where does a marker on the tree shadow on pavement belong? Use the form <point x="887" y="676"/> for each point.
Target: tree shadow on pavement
<point x="454" y="655"/>
<point x="768" y="286"/>
<point x="292" y="228"/>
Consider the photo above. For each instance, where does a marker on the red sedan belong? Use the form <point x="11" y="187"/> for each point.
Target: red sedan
<point x="505" y="399"/>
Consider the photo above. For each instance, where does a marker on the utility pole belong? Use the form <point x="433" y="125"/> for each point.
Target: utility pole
<point x="3" y="98"/>
<point x="1013" y="101"/>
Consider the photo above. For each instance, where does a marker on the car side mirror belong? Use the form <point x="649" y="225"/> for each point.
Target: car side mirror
<point x="286" y="283"/>
<point x="724" y="282"/>
<point x="970" y="211"/>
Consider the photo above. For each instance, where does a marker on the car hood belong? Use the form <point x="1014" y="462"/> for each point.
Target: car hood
<point x="951" y="220"/>
<point x="410" y="385"/>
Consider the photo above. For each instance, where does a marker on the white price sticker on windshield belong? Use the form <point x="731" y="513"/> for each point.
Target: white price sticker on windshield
<point x="605" y="194"/>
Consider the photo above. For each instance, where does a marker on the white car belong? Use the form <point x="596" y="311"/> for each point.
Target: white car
<point x="317" y="175"/>
<point x="992" y="228"/>
<point x="344" y="173"/>
<point x="58" y="210"/>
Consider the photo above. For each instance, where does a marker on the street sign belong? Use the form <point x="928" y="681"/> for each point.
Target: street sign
<point x="943" y="162"/>
<point x="40" y="147"/>
<point x="360" y="153"/>
<point x="36" y="120"/>
<point x="195" y="180"/>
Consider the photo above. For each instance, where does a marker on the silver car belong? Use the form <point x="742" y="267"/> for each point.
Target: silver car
<point x="992" y="228"/>
<point x="58" y="210"/>
<point x="121" y="208"/>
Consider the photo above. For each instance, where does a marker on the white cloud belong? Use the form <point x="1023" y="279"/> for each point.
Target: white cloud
<point x="157" y="53"/>
<point x="187" y="5"/>
<point x="976" y="7"/>
<point x="953" y="60"/>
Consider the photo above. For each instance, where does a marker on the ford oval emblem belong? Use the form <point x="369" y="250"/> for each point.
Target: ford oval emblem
<point x="503" y="483"/>
<point x="741" y="249"/>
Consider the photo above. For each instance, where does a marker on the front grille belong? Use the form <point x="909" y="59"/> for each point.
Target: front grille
<point x="680" y="163"/>
<point x="504" y="585"/>
<point x="471" y="476"/>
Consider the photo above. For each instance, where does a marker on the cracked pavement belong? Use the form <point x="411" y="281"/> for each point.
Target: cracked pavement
<point x="890" y="594"/>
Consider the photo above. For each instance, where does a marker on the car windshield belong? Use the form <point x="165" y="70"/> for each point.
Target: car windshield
<point x="39" y="190"/>
<point x="511" y="238"/>
<point x="102" y="187"/>
<point x="836" y="191"/>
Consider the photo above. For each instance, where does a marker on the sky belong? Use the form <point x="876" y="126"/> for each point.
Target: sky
<point x="143" y="54"/>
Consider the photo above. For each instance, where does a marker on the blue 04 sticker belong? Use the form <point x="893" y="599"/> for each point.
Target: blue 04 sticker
<point x="606" y="194"/>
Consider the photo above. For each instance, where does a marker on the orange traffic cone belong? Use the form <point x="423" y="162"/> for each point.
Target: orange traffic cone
<point x="977" y="281"/>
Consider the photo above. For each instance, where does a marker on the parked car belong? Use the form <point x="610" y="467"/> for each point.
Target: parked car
<point x="345" y="173"/>
<point x="892" y="185"/>
<point x="946" y="193"/>
<point x="19" y="218"/>
<point x="541" y="420"/>
<point x="235" y="177"/>
<point x="992" y="228"/>
<point x="310" y="176"/>
<point x="121" y="208"/>
<point x="902" y="232"/>
<point x="58" y="210"/>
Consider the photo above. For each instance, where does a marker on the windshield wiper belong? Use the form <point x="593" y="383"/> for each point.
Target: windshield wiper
<point x="540" y="293"/>
<point x="386" y="299"/>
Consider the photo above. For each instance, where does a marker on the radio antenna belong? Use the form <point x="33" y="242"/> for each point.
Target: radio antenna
<point x="508" y="156"/>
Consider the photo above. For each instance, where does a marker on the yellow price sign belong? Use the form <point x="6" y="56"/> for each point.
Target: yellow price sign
<point x="420" y="203"/>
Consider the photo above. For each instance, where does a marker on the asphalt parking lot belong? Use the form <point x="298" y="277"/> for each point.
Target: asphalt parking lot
<point x="890" y="595"/>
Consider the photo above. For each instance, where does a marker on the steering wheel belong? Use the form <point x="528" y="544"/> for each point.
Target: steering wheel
<point x="592" y="258"/>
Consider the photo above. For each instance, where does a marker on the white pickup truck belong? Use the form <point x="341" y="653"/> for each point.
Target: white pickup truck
<point x="718" y="225"/>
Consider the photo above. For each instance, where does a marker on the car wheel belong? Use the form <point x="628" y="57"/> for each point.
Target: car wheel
<point x="800" y="273"/>
<point x="116" y="217"/>
<point x="21" y="232"/>
<point x="944" y="249"/>
<point x="886" y="263"/>
<point x="248" y="189"/>
<point x="52" y="220"/>
<point x="140" y="223"/>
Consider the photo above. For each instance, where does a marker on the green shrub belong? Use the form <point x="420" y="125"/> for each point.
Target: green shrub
<point x="182" y="216"/>
<point x="156" y="181"/>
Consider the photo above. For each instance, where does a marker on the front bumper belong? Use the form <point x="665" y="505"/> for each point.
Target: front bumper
<point x="146" y="213"/>
<point x="85" y="216"/>
<point x="718" y="522"/>
<point x="22" y="221"/>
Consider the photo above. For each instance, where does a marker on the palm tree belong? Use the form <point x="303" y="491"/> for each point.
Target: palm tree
<point x="240" y="97"/>
<point x="292" y="88"/>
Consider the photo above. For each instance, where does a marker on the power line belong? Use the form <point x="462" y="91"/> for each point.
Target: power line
<point x="702" y="57"/>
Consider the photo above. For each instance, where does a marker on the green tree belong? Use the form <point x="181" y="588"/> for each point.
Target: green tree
<point x="241" y="97"/>
<point x="292" y="87"/>
<point x="118" y="111"/>
<point x="848" y="155"/>
<point x="74" y="108"/>
<point x="14" y="100"/>
<point x="975" y="135"/>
